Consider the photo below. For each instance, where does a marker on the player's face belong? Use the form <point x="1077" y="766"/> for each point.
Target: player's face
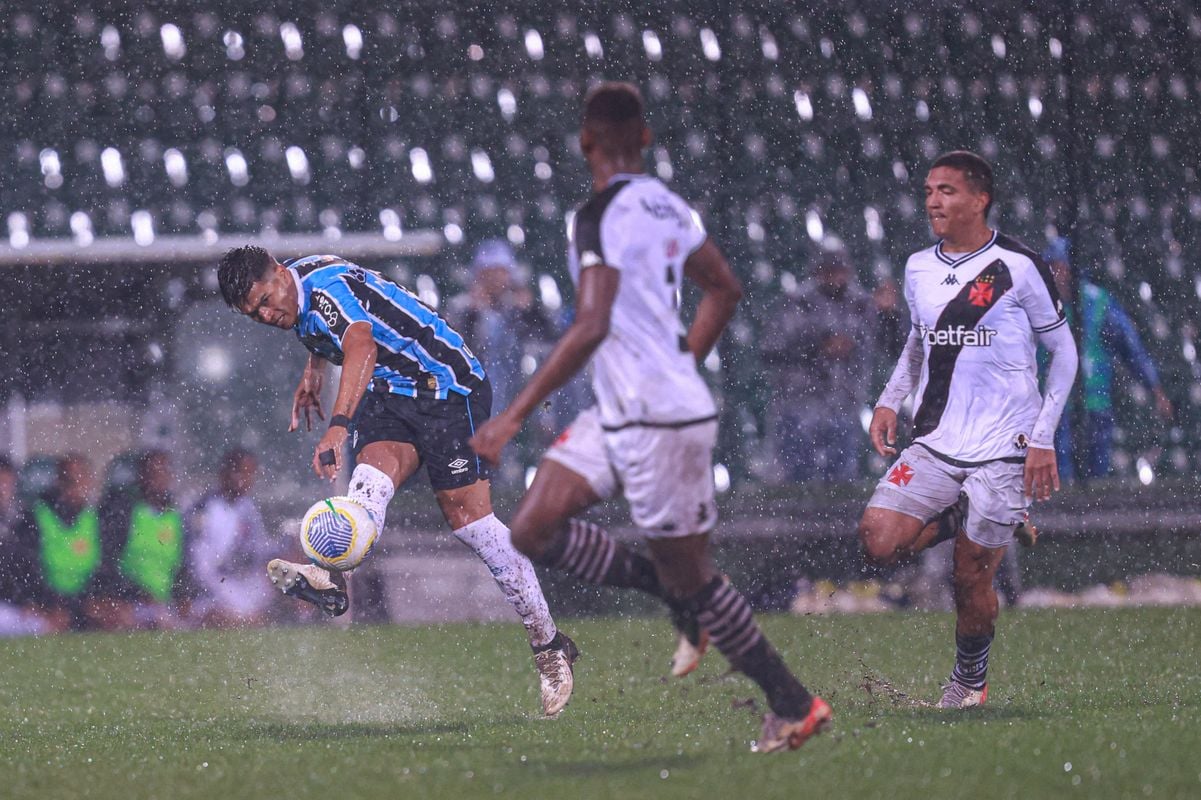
<point x="951" y="203"/>
<point x="238" y="478"/>
<point x="77" y="482"/>
<point x="272" y="299"/>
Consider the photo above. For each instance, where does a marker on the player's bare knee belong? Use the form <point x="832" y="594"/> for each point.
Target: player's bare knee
<point x="879" y="548"/>
<point x="531" y="536"/>
<point x="525" y="538"/>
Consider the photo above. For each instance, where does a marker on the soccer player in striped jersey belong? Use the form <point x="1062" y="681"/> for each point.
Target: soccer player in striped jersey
<point x="655" y="425"/>
<point x="411" y="393"/>
<point x="983" y="445"/>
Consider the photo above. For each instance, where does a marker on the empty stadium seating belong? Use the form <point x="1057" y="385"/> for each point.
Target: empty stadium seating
<point x="785" y="124"/>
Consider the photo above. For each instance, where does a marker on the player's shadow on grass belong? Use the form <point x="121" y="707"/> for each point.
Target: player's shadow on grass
<point x="321" y="731"/>
<point x="587" y="767"/>
<point x="987" y="714"/>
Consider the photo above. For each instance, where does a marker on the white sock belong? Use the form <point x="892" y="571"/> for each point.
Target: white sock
<point x="372" y="488"/>
<point x="514" y="574"/>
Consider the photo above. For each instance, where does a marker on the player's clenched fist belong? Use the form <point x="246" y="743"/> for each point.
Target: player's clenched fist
<point x="493" y="435"/>
<point x="883" y="431"/>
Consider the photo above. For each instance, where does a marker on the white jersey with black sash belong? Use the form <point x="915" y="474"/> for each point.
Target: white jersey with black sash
<point x="978" y="315"/>
<point x="643" y="373"/>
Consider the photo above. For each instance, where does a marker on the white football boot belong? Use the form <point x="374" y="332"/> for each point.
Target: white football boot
<point x="310" y="583"/>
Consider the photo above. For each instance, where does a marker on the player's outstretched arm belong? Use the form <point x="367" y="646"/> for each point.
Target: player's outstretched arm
<point x="307" y="398"/>
<point x="708" y="269"/>
<point x="594" y="306"/>
<point x="358" y="363"/>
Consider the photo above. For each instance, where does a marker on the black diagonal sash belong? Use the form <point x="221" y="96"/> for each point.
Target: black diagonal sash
<point x="964" y="312"/>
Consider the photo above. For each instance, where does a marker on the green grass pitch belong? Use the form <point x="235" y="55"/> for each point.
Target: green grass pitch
<point x="1098" y="703"/>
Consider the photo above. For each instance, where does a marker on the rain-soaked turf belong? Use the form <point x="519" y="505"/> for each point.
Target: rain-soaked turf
<point x="1084" y="704"/>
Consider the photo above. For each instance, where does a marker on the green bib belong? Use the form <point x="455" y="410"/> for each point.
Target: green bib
<point x="154" y="550"/>
<point x="70" y="555"/>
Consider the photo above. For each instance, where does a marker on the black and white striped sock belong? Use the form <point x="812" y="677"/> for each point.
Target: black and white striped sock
<point x="588" y="552"/>
<point x="725" y="614"/>
<point x="971" y="660"/>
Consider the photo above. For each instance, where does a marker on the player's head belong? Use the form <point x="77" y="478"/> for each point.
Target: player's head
<point x="959" y="192"/>
<point x="76" y="480"/>
<point x="255" y="284"/>
<point x="832" y="271"/>
<point x="237" y="473"/>
<point x="613" y="125"/>
<point x="154" y="474"/>
<point x="494" y="268"/>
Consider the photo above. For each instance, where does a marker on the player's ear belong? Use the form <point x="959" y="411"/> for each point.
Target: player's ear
<point x="587" y="141"/>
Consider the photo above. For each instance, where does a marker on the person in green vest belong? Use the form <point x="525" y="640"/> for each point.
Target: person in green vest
<point x="142" y="536"/>
<point x="55" y="563"/>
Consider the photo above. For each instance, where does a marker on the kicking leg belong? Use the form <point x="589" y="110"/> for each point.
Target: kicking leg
<point x="382" y="466"/>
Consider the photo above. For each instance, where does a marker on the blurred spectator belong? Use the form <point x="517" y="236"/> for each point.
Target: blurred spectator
<point x="499" y="318"/>
<point x="54" y="566"/>
<point x="819" y="343"/>
<point x="14" y="620"/>
<point x="143" y="541"/>
<point x="228" y="548"/>
<point x="1106" y="335"/>
<point x="504" y="324"/>
<point x="892" y="322"/>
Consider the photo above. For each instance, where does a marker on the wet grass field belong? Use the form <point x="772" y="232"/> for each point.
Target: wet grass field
<point x="1090" y="703"/>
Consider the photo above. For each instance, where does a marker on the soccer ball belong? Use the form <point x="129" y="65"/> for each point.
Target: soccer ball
<point x="337" y="533"/>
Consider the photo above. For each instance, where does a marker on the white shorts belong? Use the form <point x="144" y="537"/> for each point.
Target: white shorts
<point x="922" y="485"/>
<point x="666" y="474"/>
<point x="581" y="448"/>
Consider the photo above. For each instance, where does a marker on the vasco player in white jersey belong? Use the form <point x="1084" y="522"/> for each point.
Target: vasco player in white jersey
<point x="980" y="303"/>
<point x="655" y="424"/>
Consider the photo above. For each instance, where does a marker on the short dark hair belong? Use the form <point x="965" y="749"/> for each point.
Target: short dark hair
<point x="976" y="171"/>
<point x="615" y="114"/>
<point x="240" y="267"/>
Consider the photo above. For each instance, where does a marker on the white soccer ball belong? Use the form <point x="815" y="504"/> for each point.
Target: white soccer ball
<point x="337" y="533"/>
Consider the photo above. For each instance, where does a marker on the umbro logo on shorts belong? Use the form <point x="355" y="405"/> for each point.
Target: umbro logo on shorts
<point x="457" y="466"/>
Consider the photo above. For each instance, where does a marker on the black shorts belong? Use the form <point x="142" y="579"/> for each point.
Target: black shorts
<point x="439" y="429"/>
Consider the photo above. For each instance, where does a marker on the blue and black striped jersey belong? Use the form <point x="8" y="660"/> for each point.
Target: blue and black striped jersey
<point x="417" y="350"/>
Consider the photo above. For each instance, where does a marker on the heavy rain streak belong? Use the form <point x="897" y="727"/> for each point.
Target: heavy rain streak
<point x="600" y="400"/>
